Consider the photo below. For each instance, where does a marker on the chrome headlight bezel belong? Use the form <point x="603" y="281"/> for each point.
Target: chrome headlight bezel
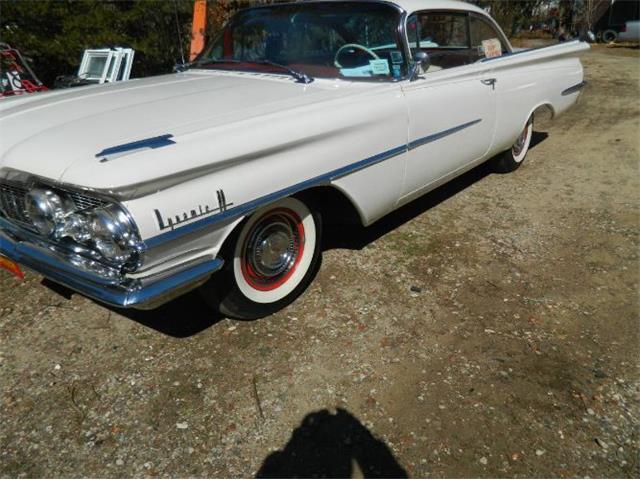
<point x="104" y="233"/>
<point x="46" y="209"/>
<point x="67" y="223"/>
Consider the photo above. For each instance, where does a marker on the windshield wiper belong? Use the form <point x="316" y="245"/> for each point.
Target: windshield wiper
<point x="299" y="76"/>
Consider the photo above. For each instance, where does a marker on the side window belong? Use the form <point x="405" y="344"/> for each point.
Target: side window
<point x="412" y="34"/>
<point x="444" y="36"/>
<point x="486" y="42"/>
<point x="443" y="30"/>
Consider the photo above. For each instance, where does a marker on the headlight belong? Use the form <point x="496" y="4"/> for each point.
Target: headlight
<point x="46" y="210"/>
<point x="112" y="234"/>
<point x="103" y="233"/>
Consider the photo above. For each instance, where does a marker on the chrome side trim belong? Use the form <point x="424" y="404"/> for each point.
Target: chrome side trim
<point x="243" y="209"/>
<point x="437" y="136"/>
<point x="121" y="292"/>
<point x="266" y="199"/>
<point x="574" y="88"/>
<point x="319" y="180"/>
<point x="142" y="189"/>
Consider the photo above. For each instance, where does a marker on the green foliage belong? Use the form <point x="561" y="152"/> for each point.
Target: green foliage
<point x="55" y="33"/>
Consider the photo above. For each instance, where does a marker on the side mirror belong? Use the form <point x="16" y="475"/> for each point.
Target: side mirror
<point x="421" y="63"/>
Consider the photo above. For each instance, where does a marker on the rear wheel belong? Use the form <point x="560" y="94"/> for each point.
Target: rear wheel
<point x="511" y="160"/>
<point x="269" y="262"/>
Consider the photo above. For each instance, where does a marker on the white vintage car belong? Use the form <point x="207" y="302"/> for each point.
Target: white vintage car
<point x="219" y="177"/>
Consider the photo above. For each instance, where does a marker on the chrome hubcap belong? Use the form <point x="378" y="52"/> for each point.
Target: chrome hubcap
<point x="273" y="249"/>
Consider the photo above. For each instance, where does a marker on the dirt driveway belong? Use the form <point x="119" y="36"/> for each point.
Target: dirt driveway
<point x="489" y="329"/>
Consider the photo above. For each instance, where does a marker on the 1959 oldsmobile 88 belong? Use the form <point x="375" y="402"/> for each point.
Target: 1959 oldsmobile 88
<point x="219" y="177"/>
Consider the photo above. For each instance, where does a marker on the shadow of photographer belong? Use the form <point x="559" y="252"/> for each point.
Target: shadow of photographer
<point x="328" y="445"/>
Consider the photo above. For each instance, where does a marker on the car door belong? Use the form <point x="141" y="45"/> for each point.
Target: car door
<point x="452" y="106"/>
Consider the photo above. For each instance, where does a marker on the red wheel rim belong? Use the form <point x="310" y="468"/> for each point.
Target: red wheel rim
<point x="273" y="249"/>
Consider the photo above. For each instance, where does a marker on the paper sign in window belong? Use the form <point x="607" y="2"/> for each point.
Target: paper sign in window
<point x="379" y="67"/>
<point x="492" y="48"/>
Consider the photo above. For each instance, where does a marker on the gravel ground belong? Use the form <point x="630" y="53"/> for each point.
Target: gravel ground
<point x="488" y="329"/>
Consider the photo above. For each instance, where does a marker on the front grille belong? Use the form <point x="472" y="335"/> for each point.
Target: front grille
<point x="83" y="202"/>
<point x="12" y="202"/>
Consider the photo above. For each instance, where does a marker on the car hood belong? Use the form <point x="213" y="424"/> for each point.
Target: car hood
<point x="58" y="135"/>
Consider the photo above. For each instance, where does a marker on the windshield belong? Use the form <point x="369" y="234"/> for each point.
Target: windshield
<point x="350" y="40"/>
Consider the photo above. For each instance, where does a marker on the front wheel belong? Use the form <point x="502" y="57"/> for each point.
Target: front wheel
<point x="511" y="160"/>
<point x="270" y="261"/>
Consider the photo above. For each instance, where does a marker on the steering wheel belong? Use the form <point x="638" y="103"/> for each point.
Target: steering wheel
<point x="353" y="45"/>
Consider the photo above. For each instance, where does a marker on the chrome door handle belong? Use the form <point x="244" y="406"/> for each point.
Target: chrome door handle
<point x="490" y="81"/>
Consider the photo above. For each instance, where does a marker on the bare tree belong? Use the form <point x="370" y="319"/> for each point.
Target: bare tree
<point x="512" y="14"/>
<point x="589" y="9"/>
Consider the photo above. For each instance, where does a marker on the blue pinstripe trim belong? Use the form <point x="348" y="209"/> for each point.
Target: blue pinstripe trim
<point x="285" y="192"/>
<point x="253" y="204"/>
<point x="437" y="136"/>
<point x="155" y="142"/>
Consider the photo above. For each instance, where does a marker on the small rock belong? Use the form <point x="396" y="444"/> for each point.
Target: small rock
<point x="540" y="452"/>
<point x="416" y="289"/>
<point x="119" y="462"/>
<point x="182" y="426"/>
<point x="483" y="460"/>
<point x="599" y="374"/>
<point x="590" y="411"/>
<point x="57" y="367"/>
<point x="602" y="444"/>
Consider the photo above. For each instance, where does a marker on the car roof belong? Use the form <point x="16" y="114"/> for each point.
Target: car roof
<point x="408" y="6"/>
<point x="411" y="6"/>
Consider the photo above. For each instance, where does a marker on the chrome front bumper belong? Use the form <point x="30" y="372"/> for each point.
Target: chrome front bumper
<point x="121" y="292"/>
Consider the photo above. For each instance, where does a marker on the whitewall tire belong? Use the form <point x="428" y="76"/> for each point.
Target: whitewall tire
<point x="269" y="262"/>
<point x="513" y="158"/>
